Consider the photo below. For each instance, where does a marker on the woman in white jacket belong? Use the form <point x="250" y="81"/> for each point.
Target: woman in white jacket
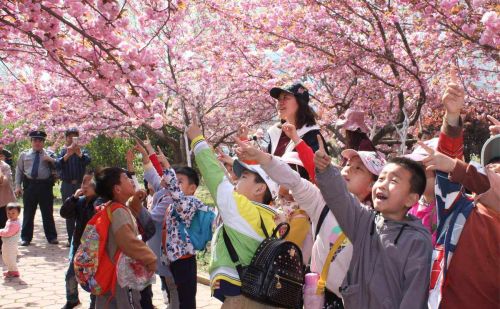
<point x="293" y="108"/>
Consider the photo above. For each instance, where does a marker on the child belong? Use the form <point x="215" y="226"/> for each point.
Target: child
<point x="245" y="212"/>
<point x="181" y="185"/>
<point x="391" y="249"/>
<point x="10" y="237"/>
<point x="113" y="184"/>
<point x="79" y="207"/>
<point x="310" y="199"/>
<point x="468" y="236"/>
<point x="160" y="203"/>
<point x="465" y="259"/>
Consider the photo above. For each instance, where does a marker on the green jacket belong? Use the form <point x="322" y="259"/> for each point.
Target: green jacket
<point x="241" y="217"/>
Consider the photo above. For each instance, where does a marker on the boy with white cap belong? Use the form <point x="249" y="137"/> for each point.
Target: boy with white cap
<point x="246" y="215"/>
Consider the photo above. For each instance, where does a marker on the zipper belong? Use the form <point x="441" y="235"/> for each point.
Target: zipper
<point x="278" y="284"/>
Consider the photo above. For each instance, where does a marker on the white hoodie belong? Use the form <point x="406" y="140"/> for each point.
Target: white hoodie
<point x="310" y="199"/>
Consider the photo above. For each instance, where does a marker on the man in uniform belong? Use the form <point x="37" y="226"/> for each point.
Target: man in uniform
<point x="71" y="163"/>
<point x="34" y="173"/>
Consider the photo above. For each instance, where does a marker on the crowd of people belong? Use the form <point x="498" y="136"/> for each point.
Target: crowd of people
<point x="414" y="231"/>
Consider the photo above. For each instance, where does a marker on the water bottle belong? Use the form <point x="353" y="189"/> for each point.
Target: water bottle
<point x="312" y="300"/>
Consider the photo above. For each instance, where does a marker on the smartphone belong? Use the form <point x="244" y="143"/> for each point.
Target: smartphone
<point x="225" y="150"/>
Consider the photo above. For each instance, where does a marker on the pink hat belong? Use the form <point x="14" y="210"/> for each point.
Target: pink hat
<point x="353" y="120"/>
<point x="419" y="153"/>
<point x="372" y="160"/>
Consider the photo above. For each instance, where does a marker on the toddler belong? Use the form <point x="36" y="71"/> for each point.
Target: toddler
<point x="10" y="237"/>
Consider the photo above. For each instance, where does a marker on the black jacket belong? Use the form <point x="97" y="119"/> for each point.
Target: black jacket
<point x="80" y="209"/>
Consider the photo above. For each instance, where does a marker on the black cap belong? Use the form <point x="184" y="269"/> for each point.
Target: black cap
<point x="298" y="90"/>
<point x="72" y="131"/>
<point x="38" y="134"/>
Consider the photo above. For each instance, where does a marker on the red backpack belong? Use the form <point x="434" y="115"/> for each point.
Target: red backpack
<point x="94" y="269"/>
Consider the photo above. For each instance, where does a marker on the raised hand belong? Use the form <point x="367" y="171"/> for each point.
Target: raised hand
<point x="453" y="98"/>
<point x="321" y="158"/>
<point x="135" y="203"/>
<point x="145" y="157"/>
<point x="193" y="130"/>
<point x="248" y="152"/>
<point x="243" y="132"/>
<point x="495" y="127"/>
<point x="148" y="146"/>
<point x="78" y="193"/>
<point x="291" y="131"/>
<point x="436" y="160"/>
<point x="224" y="158"/>
<point x="138" y="147"/>
<point x="163" y="159"/>
<point x="129" y="156"/>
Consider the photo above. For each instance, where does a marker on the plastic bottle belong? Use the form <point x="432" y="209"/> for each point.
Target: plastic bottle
<point x="311" y="299"/>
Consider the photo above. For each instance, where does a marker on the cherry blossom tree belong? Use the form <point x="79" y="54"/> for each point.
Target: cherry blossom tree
<point x="110" y="66"/>
<point x="389" y="58"/>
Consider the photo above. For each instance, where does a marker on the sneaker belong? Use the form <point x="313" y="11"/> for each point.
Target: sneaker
<point x="25" y="243"/>
<point x="11" y="274"/>
<point x="71" y="305"/>
<point x="15" y="274"/>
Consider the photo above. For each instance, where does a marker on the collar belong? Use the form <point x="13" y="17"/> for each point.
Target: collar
<point x="275" y="133"/>
<point x="265" y="208"/>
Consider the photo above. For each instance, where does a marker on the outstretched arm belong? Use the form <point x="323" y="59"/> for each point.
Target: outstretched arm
<point x="345" y="207"/>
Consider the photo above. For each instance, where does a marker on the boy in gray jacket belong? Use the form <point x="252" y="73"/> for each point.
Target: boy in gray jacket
<point x="392" y="250"/>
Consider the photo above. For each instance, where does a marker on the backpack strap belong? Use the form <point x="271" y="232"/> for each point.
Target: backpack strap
<point x="328" y="261"/>
<point x="109" y="211"/>
<point x="322" y="217"/>
<point x="232" y="251"/>
<point x="182" y="225"/>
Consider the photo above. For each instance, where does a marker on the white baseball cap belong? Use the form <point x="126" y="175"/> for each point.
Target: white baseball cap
<point x="239" y="167"/>
<point x="372" y="160"/>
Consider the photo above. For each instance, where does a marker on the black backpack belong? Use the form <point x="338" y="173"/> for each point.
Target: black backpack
<point x="275" y="275"/>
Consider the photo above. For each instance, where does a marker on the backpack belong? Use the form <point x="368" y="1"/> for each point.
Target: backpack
<point x="94" y="269"/>
<point x="200" y="230"/>
<point x="275" y="275"/>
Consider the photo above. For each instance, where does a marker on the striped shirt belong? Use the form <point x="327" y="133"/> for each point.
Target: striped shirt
<point x="74" y="167"/>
